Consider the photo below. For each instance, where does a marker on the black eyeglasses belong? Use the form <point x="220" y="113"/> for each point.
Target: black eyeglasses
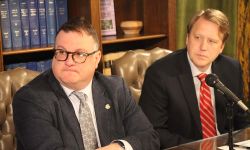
<point x="77" y="57"/>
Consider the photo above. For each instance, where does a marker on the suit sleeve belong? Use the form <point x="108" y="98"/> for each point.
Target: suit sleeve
<point x="231" y="77"/>
<point x="139" y="131"/>
<point x="154" y="101"/>
<point x="241" y="119"/>
<point x="34" y="124"/>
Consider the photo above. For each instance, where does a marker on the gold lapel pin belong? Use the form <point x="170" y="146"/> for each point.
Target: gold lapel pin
<point x="107" y="106"/>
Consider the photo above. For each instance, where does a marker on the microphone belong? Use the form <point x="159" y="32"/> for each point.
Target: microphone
<point x="212" y="80"/>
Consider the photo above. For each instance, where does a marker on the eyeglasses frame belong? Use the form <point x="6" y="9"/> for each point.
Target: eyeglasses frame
<point x="73" y="54"/>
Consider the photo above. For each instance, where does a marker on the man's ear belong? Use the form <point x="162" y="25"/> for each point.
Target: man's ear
<point x="97" y="58"/>
<point x="186" y="39"/>
<point x="222" y="47"/>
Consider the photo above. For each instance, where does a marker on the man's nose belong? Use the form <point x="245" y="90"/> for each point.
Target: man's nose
<point x="69" y="60"/>
<point x="204" y="45"/>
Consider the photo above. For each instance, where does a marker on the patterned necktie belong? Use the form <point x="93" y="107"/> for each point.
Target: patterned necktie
<point x="86" y="123"/>
<point x="206" y="109"/>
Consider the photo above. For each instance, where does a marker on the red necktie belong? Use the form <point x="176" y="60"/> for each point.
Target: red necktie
<point x="209" y="144"/>
<point x="206" y="109"/>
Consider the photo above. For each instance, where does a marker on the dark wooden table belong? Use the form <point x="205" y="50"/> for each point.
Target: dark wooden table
<point x="217" y="141"/>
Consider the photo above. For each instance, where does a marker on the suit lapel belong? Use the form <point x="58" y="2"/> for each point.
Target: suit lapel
<point x="187" y="83"/>
<point x="103" y="110"/>
<point x="220" y="101"/>
<point x="67" y="109"/>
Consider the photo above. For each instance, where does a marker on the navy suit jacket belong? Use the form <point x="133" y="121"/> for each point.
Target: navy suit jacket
<point x="169" y="99"/>
<point x="44" y="117"/>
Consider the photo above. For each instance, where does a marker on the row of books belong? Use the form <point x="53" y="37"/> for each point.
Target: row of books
<point x="39" y="66"/>
<point x="31" y="23"/>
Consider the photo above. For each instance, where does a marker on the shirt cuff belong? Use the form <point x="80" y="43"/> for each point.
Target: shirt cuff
<point x="126" y="144"/>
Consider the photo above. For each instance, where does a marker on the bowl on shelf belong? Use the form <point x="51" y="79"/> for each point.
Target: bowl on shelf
<point x="131" y="27"/>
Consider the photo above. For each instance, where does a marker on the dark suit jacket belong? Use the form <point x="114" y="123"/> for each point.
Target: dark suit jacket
<point x="169" y="99"/>
<point x="44" y="117"/>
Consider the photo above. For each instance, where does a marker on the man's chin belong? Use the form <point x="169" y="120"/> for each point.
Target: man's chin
<point x="69" y="83"/>
<point x="69" y="79"/>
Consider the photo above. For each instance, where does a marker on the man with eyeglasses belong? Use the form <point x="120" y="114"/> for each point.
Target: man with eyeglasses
<point x="73" y="106"/>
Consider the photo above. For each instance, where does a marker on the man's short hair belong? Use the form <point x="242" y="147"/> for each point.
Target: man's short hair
<point x="80" y="24"/>
<point x="214" y="16"/>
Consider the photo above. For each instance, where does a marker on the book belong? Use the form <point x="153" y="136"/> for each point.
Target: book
<point x="15" y="24"/>
<point x="34" y="23"/>
<point x="25" y="23"/>
<point x="15" y="65"/>
<point x="48" y="64"/>
<point x="61" y="13"/>
<point x="50" y="21"/>
<point x="5" y="25"/>
<point x="31" y="65"/>
<point x="8" y="67"/>
<point x="42" y="23"/>
<point x="108" y="25"/>
<point x="42" y="65"/>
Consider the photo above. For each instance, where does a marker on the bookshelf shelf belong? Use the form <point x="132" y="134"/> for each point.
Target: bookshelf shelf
<point x="24" y="51"/>
<point x="123" y="39"/>
<point x="158" y="30"/>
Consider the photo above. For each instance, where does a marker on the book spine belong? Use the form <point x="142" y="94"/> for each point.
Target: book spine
<point x="48" y="64"/>
<point x="8" y="67"/>
<point x="61" y="13"/>
<point x="25" y="23"/>
<point x="5" y="25"/>
<point x="42" y="22"/>
<point x="51" y="21"/>
<point x="15" y="65"/>
<point x="15" y="21"/>
<point x="31" y="65"/>
<point x="40" y="66"/>
<point x="108" y="25"/>
<point x="34" y="23"/>
<point x="43" y="65"/>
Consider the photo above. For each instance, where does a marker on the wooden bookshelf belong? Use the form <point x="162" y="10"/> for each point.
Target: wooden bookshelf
<point x="24" y="51"/>
<point x="158" y="30"/>
<point x="124" y="39"/>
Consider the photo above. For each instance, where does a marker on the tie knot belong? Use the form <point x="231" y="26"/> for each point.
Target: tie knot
<point x="80" y="95"/>
<point x="202" y="77"/>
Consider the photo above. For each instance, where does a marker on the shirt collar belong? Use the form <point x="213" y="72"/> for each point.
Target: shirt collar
<point x="195" y="71"/>
<point x="87" y="90"/>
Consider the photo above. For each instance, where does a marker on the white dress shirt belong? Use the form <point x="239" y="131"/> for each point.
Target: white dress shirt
<point x="76" y="103"/>
<point x="195" y="72"/>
